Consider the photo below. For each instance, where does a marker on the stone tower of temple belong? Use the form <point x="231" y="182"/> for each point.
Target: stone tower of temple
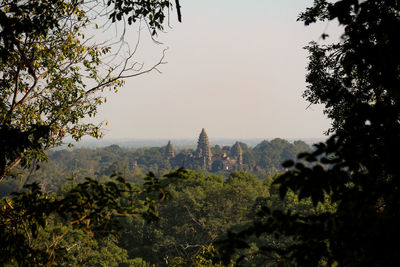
<point x="203" y="150"/>
<point x="133" y="165"/>
<point x="169" y="150"/>
<point x="237" y="153"/>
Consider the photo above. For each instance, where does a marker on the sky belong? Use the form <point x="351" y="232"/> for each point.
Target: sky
<point x="235" y="68"/>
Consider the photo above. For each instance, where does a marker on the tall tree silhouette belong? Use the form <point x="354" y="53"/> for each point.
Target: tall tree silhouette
<point x="356" y="169"/>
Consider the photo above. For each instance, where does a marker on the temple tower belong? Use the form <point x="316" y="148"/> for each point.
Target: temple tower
<point x="237" y="153"/>
<point x="133" y="165"/>
<point x="169" y="150"/>
<point x="203" y="150"/>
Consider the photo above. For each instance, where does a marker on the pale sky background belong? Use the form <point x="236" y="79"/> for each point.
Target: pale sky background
<point x="235" y="68"/>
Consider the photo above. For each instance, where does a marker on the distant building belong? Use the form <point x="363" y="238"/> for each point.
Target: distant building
<point x="237" y="154"/>
<point x="222" y="162"/>
<point x="169" y="151"/>
<point x="203" y="151"/>
<point x="203" y="157"/>
<point x="133" y="165"/>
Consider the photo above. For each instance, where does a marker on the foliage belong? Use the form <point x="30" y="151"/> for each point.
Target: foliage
<point x="134" y="163"/>
<point x="91" y="206"/>
<point x="51" y="73"/>
<point x="201" y="210"/>
<point x="42" y="17"/>
<point x="51" y="76"/>
<point x="152" y="11"/>
<point x="357" y="80"/>
<point x="261" y="244"/>
<point x="77" y="248"/>
<point x="208" y="256"/>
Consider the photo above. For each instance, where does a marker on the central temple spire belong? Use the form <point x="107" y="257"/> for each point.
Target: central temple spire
<point x="237" y="153"/>
<point x="203" y="149"/>
<point x="169" y="150"/>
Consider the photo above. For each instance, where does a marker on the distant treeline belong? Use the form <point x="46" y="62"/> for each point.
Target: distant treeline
<point x="263" y="160"/>
<point x="202" y="208"/>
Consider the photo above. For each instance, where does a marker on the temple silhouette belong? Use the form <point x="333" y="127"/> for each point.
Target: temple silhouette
<point x="203" y="157"/>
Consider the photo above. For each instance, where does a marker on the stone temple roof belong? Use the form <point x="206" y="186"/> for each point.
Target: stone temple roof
<point x="169" y="150"/>
<point x="203" y="149"/>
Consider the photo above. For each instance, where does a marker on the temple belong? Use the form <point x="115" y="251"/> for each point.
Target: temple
<point x="169" y="151"/>
<point x="203" y="151"/>
<point x="237" y="153"/>
<point x="204" y="158"/>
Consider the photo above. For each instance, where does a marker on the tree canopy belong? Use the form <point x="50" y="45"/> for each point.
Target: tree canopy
<point x="356" y="170"/>
<point x="51" y="78"/>
<point x="51" y="73"/>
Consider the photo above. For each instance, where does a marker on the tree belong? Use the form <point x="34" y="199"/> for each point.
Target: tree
<point x="202" y="208"/>
<point x="51" y="74"/>
<point x="51" y="78"/>
<point x="356" y="168"/>
<point x="91" y="206"/>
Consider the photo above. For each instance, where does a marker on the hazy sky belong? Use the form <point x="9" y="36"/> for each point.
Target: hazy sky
<point x="235" y="68"/>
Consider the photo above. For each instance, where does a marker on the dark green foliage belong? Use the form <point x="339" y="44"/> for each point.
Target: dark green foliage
<point x="207" y="256"/>
<point x="41" y="17"/>
<point x="50" y="73"/>
<point x="91" y="206"/>
<point x="46" y="70"/>
<point x="356" y="169"/>
<point x="262" y="242"/>
<point x="77" y="248"/>
<point x="152" y="11"/>
<point x="14" y="143"/>
<point x="271" y="154"/>
<point x="202" y="208"/>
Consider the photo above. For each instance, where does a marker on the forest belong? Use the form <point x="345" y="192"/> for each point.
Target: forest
<point x="200" y="209"/>
<point x="263" y="160"/>
<point x="276" y="204"/>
